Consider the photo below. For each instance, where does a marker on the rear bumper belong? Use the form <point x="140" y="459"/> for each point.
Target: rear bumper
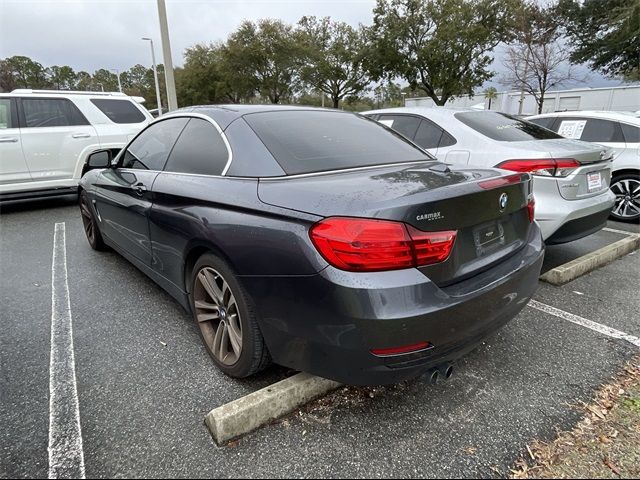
<point x="553" y="212"/>
<point x="580" y="227"/>
<point x="328" y="323"/>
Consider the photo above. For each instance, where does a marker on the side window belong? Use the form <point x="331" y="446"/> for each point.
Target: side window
<point x="591" y="130"/>
<point x="5" y="113"/>
<point x="51" y="112"/>
<point x="429" y="135"/>
<point x="546" y="122"/>
<point x="631" y="133"/>
<point x="119" y="111"/>
<point x="404" y="124"/>
<point x="602" y="131"/>
<point x="199" y="150"/>
<point x="447" y="140"/>
<point x="150" y="149"/>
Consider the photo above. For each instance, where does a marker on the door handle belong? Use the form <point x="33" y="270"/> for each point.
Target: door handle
<point x="140" y="188"/>
<point x="81" y="135"/>
<point x="8" y="140"/>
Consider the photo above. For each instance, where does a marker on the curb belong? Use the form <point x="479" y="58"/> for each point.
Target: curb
<point x="591" y="261"/>
<point x="248" y="413"/>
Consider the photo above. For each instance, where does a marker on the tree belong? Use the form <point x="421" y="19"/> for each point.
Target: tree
<point x="197" y="82"/>
<point x="106" y="80"/>
<point x="388" y="95"/>
<point x="537" y="61"/>
<point x="207" y="77"/>
<point x="310" y="98"/>
<point x="632" y="75"/>
<point x="162" y="84"/>
<point x="440" y="46"/>
<point x="335" y="56"/>
<point x="7" y="80"/>
<point x="358" y="103"/>
<point x="268" y="55"/>
<point x="84" y="81"/>
<point x="22" y="72"/>
<point x="604" y="33"/>
<point x="490" y="94"/>
<point x="62" y="78"/>
<point x="136" y="79"/>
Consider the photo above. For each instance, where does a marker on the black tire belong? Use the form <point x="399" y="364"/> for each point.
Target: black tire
<point x="91" y="228"/>
<point x="626" y="187"/>
<point x="254" y="356"/>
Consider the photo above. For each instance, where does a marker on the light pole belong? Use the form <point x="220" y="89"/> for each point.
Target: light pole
<point x="172" y="100"/>
<point x="118" y="75"/>
<point x="404" y="98"/>
<point x="155" y="76"/>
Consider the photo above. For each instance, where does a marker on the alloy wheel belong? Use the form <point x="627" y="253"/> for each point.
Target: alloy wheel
<point x="627" y="192"/>
<point x="218" y="316"/>
<point x="87" y="220"/>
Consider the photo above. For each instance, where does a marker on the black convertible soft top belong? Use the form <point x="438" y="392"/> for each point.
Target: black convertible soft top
<point x="225" y="114"/>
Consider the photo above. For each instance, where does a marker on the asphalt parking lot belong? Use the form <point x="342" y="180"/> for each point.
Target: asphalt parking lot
<point x="145" y="382"/>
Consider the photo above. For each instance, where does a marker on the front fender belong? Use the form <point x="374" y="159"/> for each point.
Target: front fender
<point x="89" y="179"/>
<point x="84" y="155"/>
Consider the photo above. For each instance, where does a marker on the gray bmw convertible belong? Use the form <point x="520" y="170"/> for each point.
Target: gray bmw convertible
<point x="316" y="239"/>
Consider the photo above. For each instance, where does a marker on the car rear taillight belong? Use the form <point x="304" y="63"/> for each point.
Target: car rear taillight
<point x="369" y="245"/>
<point x="431" y="247"/>
<point x="500" y="182"/>
<point x="548" y="167"/>
<point x="531" y="208"/>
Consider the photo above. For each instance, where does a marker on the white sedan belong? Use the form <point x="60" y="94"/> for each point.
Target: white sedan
<point x="571" y="177"/>
<point x="618" y="130"/>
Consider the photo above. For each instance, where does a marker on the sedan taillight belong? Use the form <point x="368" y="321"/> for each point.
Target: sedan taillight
<point x="547" y="167"/>
<point x="369" y="245"/>
<point x="531" y="208"/>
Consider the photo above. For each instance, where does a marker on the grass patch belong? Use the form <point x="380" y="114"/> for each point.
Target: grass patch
<point x="604" y="444"/>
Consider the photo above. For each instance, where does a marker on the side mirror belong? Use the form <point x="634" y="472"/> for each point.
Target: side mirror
<point x="99" y="159"/>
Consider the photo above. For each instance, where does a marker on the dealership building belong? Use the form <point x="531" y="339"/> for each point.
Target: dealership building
<point x="625" y="98"/>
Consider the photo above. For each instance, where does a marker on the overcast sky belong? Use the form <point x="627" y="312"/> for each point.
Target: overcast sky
<point x="92" y="34"/>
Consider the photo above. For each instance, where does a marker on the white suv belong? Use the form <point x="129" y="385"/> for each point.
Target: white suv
<point x="46" y="137"/>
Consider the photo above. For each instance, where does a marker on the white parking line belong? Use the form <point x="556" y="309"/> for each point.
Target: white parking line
<point x="66" y="457"/>
<point x="596" y="327"/>
<point x="613" y="230"/>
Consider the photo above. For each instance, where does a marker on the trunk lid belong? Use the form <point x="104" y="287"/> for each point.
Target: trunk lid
<point x="428" y="197"/>
<point x="583" y="152"/>
<point x="590" y="179"/>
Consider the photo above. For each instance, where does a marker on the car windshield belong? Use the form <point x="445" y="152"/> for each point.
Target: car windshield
<point x="503" y="127"/>
<point x="307" y="141"/>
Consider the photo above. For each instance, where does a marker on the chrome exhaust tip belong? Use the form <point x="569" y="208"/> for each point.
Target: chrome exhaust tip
<point x="447" y="371"/>
<point x="432" y="376"/>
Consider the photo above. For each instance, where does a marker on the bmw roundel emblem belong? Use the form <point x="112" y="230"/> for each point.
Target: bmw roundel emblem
<point x="504" y="200"/>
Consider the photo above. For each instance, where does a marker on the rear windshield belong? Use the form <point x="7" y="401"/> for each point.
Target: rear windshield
<point x="119" y="111"/>
<point x="313" y="141"/>
<point x="503" y="127"/>
<point x="546" y="122"/>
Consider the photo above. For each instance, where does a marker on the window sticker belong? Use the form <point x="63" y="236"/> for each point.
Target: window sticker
<point x="572" y="128"/>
